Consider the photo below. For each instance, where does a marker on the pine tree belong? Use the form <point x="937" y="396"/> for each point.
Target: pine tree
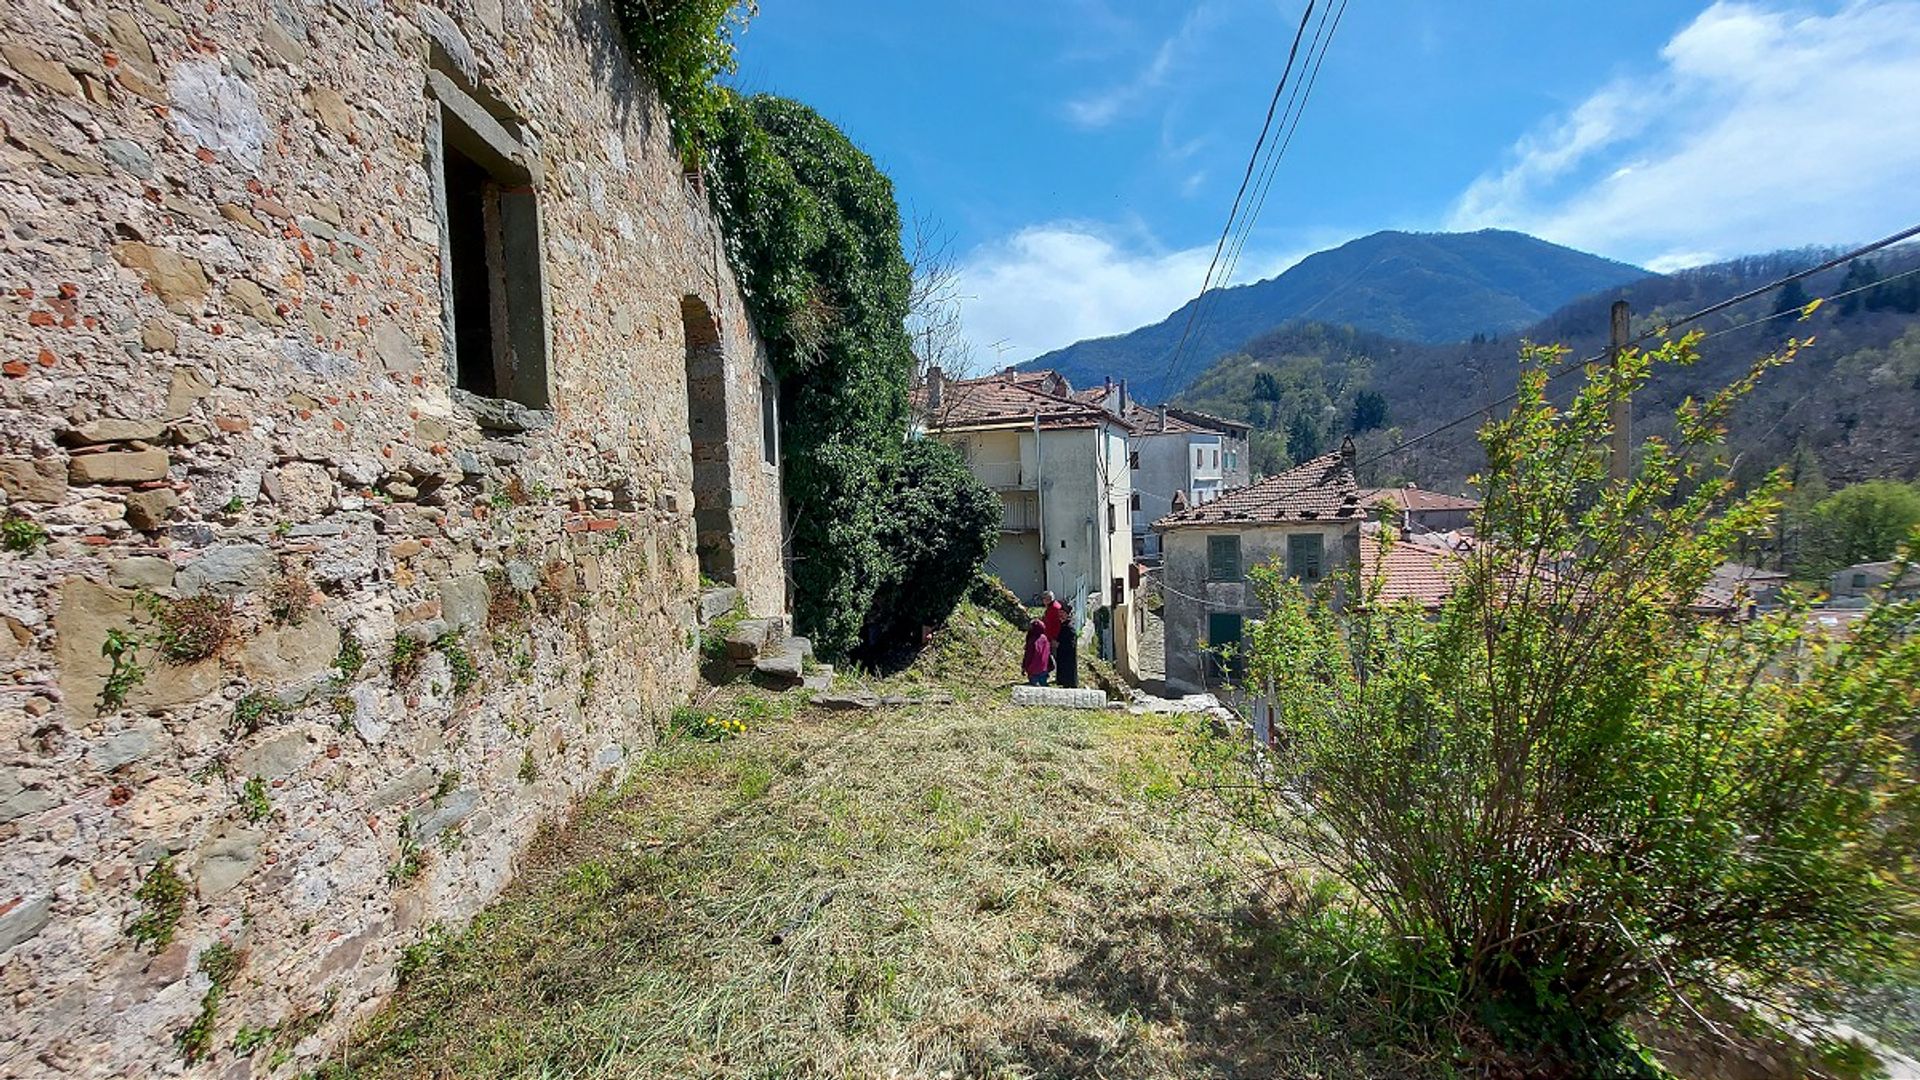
<point x="1860" y="274"/>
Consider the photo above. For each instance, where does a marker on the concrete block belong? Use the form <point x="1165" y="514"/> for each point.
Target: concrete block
<point x="1057" y="697"/>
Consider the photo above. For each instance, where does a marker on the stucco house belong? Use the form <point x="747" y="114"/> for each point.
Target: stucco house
<point x="1060" y="467"/>
<point x="1306" y="521"/>
<point x="1416" y="510"/>
<point x="1863" y="583"/>
<point x="1178" y="458"/>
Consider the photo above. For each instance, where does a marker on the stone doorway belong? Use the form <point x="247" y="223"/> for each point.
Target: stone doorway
<point x="707" y="428"/>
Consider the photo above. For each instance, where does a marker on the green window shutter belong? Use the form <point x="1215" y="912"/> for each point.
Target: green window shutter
<point x="1304" y="557"/>
<point x="1223" y="558"/>
<point x="1224" y="659"/>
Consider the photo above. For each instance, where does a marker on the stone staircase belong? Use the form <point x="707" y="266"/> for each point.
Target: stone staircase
<point x="763" y="646"/>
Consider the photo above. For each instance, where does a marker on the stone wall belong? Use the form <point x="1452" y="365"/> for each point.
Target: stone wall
<point x="302" y="644"/>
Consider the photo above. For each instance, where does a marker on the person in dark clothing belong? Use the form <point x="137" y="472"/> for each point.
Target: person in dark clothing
<point x="1066" y="652"/>
<point x="1039" y="654"/>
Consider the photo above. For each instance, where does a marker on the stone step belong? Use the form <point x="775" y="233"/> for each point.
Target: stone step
<point x="717" y="601"/>
<point x="749" y="639"/>
<point x="784" y="661"/>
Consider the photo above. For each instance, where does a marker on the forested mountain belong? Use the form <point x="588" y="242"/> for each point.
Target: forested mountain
<point x="1852" y="399"/>
<point x="1431" y="287"/>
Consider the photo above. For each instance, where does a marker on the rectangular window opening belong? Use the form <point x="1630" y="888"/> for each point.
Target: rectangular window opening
<point x="1304" y="556"/>
<point x="1223" y="558"/>
<point x="770" y="420"/>
<point x="494" y="255"/>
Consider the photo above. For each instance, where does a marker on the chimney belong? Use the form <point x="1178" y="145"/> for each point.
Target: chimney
<point x="1163" y="419"/>
<point x="1346" y="452"/>
<point x="936" y="382"/>
<point x="1123" y="397"/>
<point x="1109" y="384"/>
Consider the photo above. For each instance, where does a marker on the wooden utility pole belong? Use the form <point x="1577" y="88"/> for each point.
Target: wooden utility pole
<point x="1620" y="457"/>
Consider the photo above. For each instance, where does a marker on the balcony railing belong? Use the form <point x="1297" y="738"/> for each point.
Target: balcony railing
<point x="1019" y="515"/>
<point x="1001" y="475"/>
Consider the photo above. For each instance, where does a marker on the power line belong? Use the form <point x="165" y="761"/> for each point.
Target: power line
<point x="1803" y="312"/>
<point x="1253" y="160"/>
<point x="1290" y="121"/>
<point x="1661" y="331"/>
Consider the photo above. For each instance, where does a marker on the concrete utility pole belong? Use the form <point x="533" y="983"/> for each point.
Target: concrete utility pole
<point x="1620" y="458"/>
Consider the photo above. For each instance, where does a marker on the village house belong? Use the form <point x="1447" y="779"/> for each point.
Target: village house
<point x="1414" y="510"/>
<point x="1306" y="522"/>
<point x="1864" y="583"/>
<point x="377" y="398"/>
<point x="1178" y="458"/>
<point x="1059" y="465"/>
<point x="1736" y="590"/>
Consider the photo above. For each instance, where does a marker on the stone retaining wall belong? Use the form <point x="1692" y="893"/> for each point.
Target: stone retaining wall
<point x="302" y="644"/>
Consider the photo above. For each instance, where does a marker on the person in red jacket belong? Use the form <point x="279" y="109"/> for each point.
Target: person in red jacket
<point x="1039" y="654"/>
<point x="1054" y="616"/>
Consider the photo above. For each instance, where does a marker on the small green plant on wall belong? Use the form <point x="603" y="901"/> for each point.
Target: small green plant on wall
<point x="21" y="534"/>
<point x="253" y="800"/>
<point x="124" y="671"/>
<point x="163" y="899"/>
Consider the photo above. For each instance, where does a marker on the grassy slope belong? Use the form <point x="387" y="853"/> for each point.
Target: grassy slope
<point x="1010" y="893"/>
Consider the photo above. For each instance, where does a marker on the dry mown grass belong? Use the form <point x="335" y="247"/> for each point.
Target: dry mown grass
<point x="967" y="890"/>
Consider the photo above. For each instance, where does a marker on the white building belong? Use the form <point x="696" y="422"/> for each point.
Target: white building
<point x="1060" y="466"/>
<point x="1178" y="457"/>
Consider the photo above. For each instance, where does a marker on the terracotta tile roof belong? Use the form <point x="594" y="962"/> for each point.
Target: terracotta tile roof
<point x="1416" y="499"/>
<point x="1425" y="575"/>
<point x="1237" y="428"/>
<point x="1322" y="489"/>
<point x="1148" y="421"/>
<point x="1007" y="398"/>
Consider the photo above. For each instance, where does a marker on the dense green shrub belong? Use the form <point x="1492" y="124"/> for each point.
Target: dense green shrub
<point x="1565" y="798"/>
<point x="683" y="45"/>
<point x="938" y="526"/>
<point x="813" y="230"/>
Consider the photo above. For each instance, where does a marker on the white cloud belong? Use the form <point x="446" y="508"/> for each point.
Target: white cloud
<point x="1103" y="107"/>
<point x="1054" y="284"/>
<point x="1763" y="127"/>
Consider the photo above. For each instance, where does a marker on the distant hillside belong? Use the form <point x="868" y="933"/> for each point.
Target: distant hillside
<point x="1431" y="287"/>
<point x="1853" y="398"/>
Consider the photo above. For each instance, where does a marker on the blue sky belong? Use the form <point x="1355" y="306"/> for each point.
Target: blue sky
<point x="1082" y="154"/>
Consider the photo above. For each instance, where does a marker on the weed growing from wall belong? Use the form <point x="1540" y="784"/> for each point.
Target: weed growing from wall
<point x="408" y="653"/>
<point x="189" y="629"/>
<point x="21" y="534"/>
<point x="254" y="802"/>
<point x="220" y="962"/>
<point x="125" y="673"/>
<point x="163" y="899"/>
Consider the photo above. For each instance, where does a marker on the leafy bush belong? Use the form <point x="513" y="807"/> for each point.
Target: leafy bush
<point x="1565" y="799"/>
<point x="938" y="526"/>
<point x="682" y="45"/>
<point x="813" y="230"/>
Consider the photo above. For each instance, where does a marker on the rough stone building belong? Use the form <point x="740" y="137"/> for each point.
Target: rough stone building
<point x="1304" y="523"/>
<point x="375" y="395"/>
